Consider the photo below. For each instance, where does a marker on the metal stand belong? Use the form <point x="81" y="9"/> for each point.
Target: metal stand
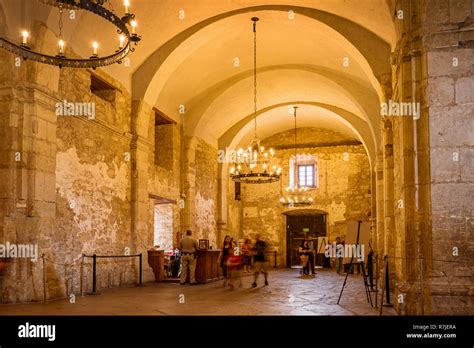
<point x="386" y="288"/>
<point x="364" y="274"/>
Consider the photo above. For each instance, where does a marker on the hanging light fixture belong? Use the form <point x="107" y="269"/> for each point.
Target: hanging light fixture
<point x="254" y="165"/>
<point x="60" y="59"/>
<point x="295" y="189"/>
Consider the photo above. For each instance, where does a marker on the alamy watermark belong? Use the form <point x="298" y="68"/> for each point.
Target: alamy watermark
<point x="37" y="331"/>
<point x="26" y="251"/>
<point x="335" y="250"/>
<point x="243" y="156"/>
<point x="66" y="108"/>
<point x="393" y="108"/>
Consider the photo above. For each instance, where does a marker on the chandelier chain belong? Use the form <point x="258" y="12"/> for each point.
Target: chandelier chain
<point x="295" y="130"/>
<point x="60" y="22"/>
<point x="255" y="74"/>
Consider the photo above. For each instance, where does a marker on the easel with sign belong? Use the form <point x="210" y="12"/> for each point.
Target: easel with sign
<point x="360" y="263"/>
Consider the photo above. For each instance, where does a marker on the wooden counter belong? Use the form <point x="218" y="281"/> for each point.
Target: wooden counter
<point x="207" y="269"/>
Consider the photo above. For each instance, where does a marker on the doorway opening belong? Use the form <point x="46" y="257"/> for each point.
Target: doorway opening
<point x="163" y="226"/>
<point x="301" y="226"/>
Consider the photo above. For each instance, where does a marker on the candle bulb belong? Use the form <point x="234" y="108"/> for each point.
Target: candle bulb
<point x="61" y="47"/>
<point x="95" y="46"/>
<point x="25" y="36"/>
<point x="134" y="27"/>
<point x="127" y="6"/>
<point x="122" y="41"/>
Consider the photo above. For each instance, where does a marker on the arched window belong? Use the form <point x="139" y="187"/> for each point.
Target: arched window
<point x="303" y="171"/>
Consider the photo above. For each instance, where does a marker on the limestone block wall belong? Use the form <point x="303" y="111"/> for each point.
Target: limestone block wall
<point x="449" y="43"/>
<point x="27" y="172"/>
<point x="343" y="192"/>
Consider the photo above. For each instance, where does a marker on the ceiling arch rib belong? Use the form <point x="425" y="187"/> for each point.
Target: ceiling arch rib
<point x="147" y="81"/>
<point x="225" y="103"/>
<point x="349" y="124"/>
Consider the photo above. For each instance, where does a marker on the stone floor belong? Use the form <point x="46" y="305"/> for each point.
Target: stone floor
<point x="288" y="294"/>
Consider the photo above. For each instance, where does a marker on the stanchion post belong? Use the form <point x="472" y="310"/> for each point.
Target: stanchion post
<point x="383" y="289"/>
<point x="82" y="276"/>
<point x="275" y="266"/>
<point x="140" y="275"/>
<point x="387" y="283"/>
<point x="377" y="275"/>
<point x="44" y="278"/>
<point x="94" y="269"/>
<point x="422" y="296"/>
<point x="387" y="280"/>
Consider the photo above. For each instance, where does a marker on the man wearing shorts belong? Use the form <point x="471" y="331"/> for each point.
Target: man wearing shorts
<point x="260" y="266"/>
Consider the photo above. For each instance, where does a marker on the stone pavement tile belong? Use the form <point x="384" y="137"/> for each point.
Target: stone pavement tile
<point x="287" y="294"/>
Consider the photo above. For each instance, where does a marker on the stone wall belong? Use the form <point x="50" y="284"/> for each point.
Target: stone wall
<point x="201" y="190"/>
<point x="81" y="185"/>
<point x="424" y="185"/>
<point x="164" y="170"/>
<point x="448" y="38"/>
<point x="343" y="192"/>
<point x="93" y="182"/>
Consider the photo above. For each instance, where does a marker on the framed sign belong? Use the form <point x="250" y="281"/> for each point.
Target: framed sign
<point x="203" y="244"/>
<point x="322" y="242"/>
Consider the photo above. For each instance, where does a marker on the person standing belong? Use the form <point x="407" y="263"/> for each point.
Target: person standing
<point x="260" y="266"/>
<point x="339" y="255"/>
<point x="304" y="252"/>
<point x="188" y="247"/>
<point x="311" y="255"/>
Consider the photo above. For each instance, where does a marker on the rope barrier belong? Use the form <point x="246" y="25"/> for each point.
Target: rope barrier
<point x="94" y="267"/>
<point x="425" y="259"/>
<point x="94" y="275"/>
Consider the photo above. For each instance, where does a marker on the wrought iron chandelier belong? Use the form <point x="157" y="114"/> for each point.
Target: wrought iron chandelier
<point x="125" y="38"/>
<point x="254" y="165"/>
<point x="295" y="189"/>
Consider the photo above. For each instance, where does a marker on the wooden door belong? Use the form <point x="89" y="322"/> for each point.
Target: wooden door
<point x="300" y="227"/>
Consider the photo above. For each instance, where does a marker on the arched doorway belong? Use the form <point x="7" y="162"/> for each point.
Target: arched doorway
<point x="301" y="224"/>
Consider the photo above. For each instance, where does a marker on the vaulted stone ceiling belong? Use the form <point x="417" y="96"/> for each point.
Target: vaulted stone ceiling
<point x="190" y="61"/>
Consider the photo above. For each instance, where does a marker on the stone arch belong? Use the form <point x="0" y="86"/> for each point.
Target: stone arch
<point x="367" y="43"/>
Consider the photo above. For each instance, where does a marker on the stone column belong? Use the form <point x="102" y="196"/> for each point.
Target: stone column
<point x="448" y="37"/>
<point x="142" y="115"/>
<point x="380" y="206"/>
<point x="28" y="123"/>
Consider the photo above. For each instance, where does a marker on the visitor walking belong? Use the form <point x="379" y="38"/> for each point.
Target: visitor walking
<point x="226" y="252"/>
<point x="246" y="255"/>
<point x="188" y="247"/>
<point x="260" y="266"/>
<point x="234" y="267"/>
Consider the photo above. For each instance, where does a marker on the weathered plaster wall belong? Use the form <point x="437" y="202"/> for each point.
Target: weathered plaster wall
<point x="205" y="199"/>
<point x="80" y="183"/>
